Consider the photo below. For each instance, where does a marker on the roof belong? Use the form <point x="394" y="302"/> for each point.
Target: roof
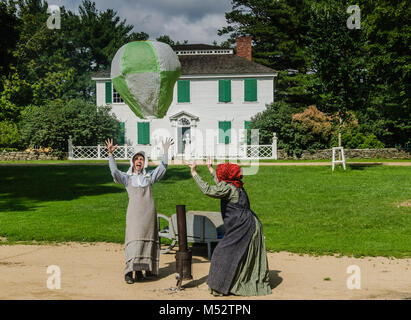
<point x="209" y="64"/>
<point x="220" y="64"/>
<point x="102" y="74"/>
<point x="199" y="46"/>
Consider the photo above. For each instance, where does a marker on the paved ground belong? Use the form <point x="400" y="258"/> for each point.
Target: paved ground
<point x="95" y="271"/>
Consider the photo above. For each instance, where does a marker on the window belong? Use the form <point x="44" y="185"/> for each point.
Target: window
<point x="112" y="96"/>
<point x="183" y="91"/>
<point x="143" y="132"/>
<point x="184" y="122"/>
<point x="224" y="132"/>
<point x="250" y="89"/>
<point x="116" y="96"/>
<point x="224" y="90"/>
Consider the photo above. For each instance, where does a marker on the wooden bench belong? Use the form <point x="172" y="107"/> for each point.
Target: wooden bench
<point x="202" y="227"/>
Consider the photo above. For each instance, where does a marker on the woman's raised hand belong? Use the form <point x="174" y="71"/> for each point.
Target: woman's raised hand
<point x="193" y="167"/>
<point x="167" y="144"/>
<point x="110" y="146"/>
<point x="210" y="164"/>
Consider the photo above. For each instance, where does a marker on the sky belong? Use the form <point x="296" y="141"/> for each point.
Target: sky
<point x="194" y="20"/>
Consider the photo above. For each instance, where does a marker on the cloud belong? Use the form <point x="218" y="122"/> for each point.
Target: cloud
<point x="203" y="30"/>
<point x="194" y="20"/>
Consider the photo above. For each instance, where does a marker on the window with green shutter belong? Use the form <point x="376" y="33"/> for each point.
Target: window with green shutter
<point x="224" y="90"/>
<point x="250" y="89"/>
<point x="183" y="91"/>
<point x="122" y="139"/>
<point x="109" y="92"/>
<point x="143" y="132"/>
<point x="224" y="132"/>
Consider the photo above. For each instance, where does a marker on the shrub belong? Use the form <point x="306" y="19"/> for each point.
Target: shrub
<point x="358" y="140"/>
<point x="312" y="129"/>
<point x="50" y="125"/>
<point x="276" y="118"/>
<point x="9" y="135"/>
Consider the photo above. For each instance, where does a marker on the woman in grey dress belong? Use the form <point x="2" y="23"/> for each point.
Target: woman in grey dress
<point x="142" y="245"/>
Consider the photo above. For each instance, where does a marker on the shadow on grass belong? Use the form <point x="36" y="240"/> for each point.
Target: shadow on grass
<point x="174" y="174"/>
<point x="22" y="188"/>
<point x="363" y="166"/>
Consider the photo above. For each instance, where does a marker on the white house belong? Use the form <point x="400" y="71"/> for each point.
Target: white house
<point x="214" y="99"/>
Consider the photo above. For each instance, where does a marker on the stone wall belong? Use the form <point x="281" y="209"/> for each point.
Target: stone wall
<point x="23" y="155"/>
<point x="386" y="153"/>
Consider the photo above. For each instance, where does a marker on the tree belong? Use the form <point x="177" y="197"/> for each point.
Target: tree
<point x="166" y="39"/>
<point x="387" y="25"/>
<point x="50" y="125"/>
<point x="9" y="24"/>
<point x="338" y="61"/>
<point x="277" y="29"/>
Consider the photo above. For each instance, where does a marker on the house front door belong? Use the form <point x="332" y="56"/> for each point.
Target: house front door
<point x="184" y="137"/>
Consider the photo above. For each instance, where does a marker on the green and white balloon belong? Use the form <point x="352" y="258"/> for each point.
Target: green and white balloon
<point x="144" y="74"/>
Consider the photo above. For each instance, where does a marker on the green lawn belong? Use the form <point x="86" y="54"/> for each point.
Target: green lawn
<point x="303" y="209"/>
<point x="245" y="161"/>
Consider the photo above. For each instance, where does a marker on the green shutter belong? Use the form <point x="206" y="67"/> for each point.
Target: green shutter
<point x="224" y="132"/>
<point x="248" y="136"/>
<point x="227" y="132"/>
<point x="224" y="90"/>
<point x="227" y="90"/>
<point x="122" y="139"/>
<point x="183" y="91"/>
<point x="109" y="92"/>
<point x="221" y="131"/>
<point x="221" y="94"/>
<point x="143" y="132"/>
<point x="250" y="89"/>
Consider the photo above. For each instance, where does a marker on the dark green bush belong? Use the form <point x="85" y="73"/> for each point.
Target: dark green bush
<point x="50" y="125"/>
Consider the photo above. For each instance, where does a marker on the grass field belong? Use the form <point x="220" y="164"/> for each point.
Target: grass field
<point x="362" y="211"/>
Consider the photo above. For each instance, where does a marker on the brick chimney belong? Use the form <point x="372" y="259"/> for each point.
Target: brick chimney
<point x="244" y="47"/>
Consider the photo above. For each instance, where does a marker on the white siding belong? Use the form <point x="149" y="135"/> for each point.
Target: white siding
<point x="203" y="104"/>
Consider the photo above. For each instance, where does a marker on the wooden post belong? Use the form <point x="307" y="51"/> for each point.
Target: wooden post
<point x="183" y="255"/>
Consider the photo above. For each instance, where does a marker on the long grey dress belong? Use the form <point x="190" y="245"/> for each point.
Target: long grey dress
<point x="142" y="245"/>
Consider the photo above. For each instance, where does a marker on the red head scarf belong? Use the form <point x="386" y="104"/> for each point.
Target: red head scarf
<point x="230" y="173"/>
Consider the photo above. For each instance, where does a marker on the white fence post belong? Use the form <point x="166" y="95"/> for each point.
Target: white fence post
<point x="98" y="152"/>
<point x="70" y="148"/>
<point x="274" y="146"/>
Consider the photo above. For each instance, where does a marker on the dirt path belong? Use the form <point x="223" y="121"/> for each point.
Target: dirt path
<point x="95" y="271"/>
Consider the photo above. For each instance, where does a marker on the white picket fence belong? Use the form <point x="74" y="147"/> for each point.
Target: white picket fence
<point x="125" y="152"/>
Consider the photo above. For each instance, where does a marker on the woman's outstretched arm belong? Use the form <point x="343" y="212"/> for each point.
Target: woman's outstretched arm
<point x="118" y="176"/>
<point x="219" y="191"/>
<point x="210" y="168"/>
